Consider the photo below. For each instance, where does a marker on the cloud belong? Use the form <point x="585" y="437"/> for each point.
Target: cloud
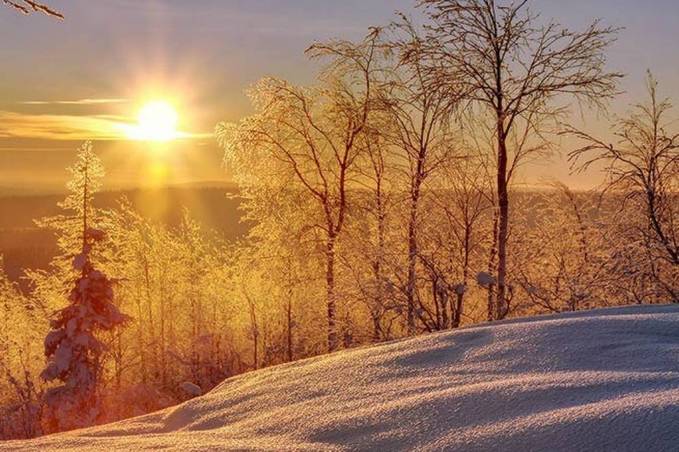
<point x="58" y="127"/>
<point x="72" y="128"/>
<point x="76" y="102"/>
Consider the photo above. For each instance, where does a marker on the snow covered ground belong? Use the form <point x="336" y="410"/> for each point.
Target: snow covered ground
<point x="600" y="380"/>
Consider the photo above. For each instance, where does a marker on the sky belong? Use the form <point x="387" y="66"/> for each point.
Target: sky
<point x="62" y="82"/>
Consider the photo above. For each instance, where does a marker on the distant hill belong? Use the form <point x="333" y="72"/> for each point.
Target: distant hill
<point x="586" y="381"/>
<point x="214" y="205"/>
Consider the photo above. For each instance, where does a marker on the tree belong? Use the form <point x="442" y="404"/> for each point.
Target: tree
<point x="72" y="347"/>
<point x="643" y="166"/>
<point x="516" y="69"/>
<point x="49" y="288"/>
<point x="312" y="135"/>
<point x="29" y="6"/>
<point x="176" y="282"/>
<point x="80" y="212"/>
<point x="564" y="257"/>
<point x="20" y="326"/>
<point x="73" y="350"/>
<point x="462" y="202"/>
<point x="420" y="113"/>
<point x="369" y="235"/>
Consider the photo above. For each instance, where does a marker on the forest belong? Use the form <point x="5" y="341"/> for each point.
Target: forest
<point x="382" y="202"/>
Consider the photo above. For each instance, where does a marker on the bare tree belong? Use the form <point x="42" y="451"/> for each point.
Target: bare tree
<point x="370" y="227"/>
<point x="30" y="6"/>
<point x="465" y="214"/>
<point x="564" y="254"/>
<point x="644" y="167"/>
<point x="420" y="113"/>
<point x="515" y="68"/>
<point x="314" y="134"/>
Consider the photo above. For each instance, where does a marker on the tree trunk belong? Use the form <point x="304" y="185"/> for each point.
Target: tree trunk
<point x="456" y="311"/>
<point x="412" y="255"/>
<point x="377" y="265"/>
<point x="163" y="351"/>
<point x="331" y="295"/>
<point x="289" y="335"/>
<point x="491" y="271"/>
<point x="377" y="327"/>
<point x="503" y="221"/>
<point x="255" y="335"/>
<point x="437" y="302"/>
<point x="140" y="338"/>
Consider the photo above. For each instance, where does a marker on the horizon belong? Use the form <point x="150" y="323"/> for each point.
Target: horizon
<point x="222" y="48"/>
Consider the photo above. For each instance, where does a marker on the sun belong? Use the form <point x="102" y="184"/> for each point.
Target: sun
<point x="157" y="121"/>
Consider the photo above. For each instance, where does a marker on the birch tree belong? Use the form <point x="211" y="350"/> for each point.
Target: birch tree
<point x="420" y="113"/>
<point x="518" y="69"/>
<point x="643" y="167"/>
<point x="312" y="134"/>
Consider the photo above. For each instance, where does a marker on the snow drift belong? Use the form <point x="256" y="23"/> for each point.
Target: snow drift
<point x="600" y="380"/>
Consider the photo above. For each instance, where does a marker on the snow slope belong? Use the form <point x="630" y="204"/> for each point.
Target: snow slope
<point x="601" y="380"/>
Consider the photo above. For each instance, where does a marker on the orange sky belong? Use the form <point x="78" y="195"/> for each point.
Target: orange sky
<point x="63" y="82"/>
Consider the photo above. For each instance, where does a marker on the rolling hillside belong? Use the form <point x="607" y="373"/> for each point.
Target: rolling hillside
<point x="599" y="380"/>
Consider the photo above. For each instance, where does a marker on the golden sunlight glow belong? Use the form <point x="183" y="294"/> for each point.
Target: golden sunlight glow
<point x="157" y="121"/>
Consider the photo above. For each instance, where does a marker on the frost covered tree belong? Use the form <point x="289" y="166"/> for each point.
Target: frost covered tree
<point x="643" y="168"/>
<point x="174" y="280"/>
<point x="73" y="350"/>
<point x="20" y="389"/>
<point x="420" y="114"/>
<point x="516" y="69"/>
<point x="459" y="222"/>
<point x="370" y="249"/>
<point x="311" y="136"/>
<point x="78" y="214"/>
<point x="563" y="252"/>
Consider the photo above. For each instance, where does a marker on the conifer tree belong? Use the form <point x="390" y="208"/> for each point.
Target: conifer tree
<point x="73" y="350"/>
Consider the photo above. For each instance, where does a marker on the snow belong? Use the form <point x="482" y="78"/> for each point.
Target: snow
<point x="191" y="389"/>
<point x="601" y="380"/>
<point x="485" y="279"/>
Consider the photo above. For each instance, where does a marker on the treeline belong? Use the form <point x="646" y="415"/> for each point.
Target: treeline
<point x="23" y="245"/>
<point x="173" y="284"/>
<point x="383" y="204"/>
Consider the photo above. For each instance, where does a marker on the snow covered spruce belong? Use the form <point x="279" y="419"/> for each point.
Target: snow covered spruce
<point x="72" y="348"/>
